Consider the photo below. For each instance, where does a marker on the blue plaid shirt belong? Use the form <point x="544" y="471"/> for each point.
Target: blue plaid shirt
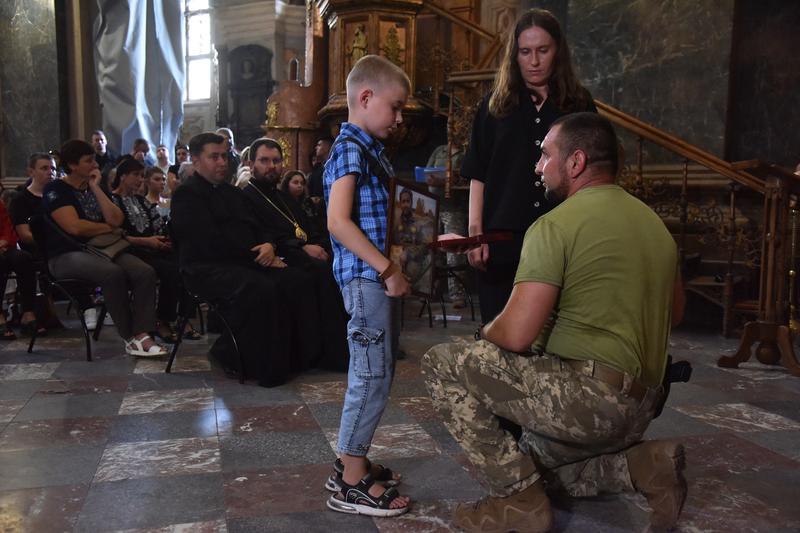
<point x="371" y="198"/>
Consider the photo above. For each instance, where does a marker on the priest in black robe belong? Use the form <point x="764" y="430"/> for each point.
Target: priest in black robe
<point x="300" y="246"/>
<point x="228" y="257"/>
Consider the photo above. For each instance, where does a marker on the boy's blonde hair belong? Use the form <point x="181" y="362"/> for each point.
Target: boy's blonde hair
<point x="375" y="72"/>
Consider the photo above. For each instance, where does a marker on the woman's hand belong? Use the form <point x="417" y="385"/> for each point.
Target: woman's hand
<point x="157" y="242"/>
<point x="479" y="257"/>
<point x="96" y="178"/>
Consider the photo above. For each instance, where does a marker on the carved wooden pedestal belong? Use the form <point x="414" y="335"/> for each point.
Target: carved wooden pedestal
<point x="775" y="347"/>
<point x="774" y="338"/>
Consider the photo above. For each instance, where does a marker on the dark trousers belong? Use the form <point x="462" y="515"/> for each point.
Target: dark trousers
<point x="495" y="285"/>
<point x="172" y="299"/>
<point x="264" y="307"/>
<point x="326" y="318"/>
<point x="126" y="274"/>
<point x="21" y="263"/>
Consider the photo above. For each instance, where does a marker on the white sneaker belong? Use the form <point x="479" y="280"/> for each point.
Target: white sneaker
<point x="90" y="317"/>
<point x="135" y="348"/>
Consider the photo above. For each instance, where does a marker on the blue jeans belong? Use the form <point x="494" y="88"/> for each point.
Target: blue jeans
<point x="370" y="333"/>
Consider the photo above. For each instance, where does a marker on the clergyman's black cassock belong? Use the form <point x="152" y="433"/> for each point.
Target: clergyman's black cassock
<point x="329" y="318"/>
<point x="215" y="230"/>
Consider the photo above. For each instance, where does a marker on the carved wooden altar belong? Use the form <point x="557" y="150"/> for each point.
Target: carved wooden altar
<point x="381" y="27"/>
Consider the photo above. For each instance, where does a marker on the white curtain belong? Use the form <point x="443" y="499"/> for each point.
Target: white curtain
<point x="139" y="55"/>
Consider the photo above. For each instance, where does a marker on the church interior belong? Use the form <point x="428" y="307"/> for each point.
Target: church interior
<point x="704" y="99"/>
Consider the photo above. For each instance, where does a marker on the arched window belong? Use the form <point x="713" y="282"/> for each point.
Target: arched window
<point x="199" y="52"/>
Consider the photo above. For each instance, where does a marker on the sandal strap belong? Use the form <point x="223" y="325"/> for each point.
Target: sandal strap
<point x="385" y="474"/>
<point x="360" y="493"/>
<point x="338" y="466"/>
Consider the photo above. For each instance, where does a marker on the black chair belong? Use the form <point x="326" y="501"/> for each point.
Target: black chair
<point x="212" y="308"/>
<point x="63" y="285"/>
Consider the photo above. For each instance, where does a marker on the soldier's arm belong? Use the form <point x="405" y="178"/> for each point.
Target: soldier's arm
<point x="518" y="325"/>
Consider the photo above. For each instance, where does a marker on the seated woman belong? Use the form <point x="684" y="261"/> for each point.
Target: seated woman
<point x="21" y="262"/>
<point x="295" y="184"/>
<point x="146" y="230"/>
<point x="79" y="210"/>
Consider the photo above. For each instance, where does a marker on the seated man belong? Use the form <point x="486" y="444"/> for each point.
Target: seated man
<point x="300" y="247"/>
<point x="227" y="257"/>
<point x="28" y="203"/>
<point x="597" y="289"/>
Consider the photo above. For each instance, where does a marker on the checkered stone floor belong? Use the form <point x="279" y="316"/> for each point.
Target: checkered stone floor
<point x="117" y="445"/>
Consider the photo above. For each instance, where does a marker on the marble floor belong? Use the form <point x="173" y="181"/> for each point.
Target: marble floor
<point x="117" y="445"/>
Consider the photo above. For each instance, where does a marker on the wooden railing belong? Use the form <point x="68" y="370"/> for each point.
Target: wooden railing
<point x="752" y="233"/>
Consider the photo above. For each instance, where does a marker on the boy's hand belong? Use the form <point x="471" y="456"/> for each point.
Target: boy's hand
<point x="397" y="285"/>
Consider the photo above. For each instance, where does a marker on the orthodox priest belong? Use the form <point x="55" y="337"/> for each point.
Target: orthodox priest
<point x="228" y="257"/>
<point x="300" y="246"/>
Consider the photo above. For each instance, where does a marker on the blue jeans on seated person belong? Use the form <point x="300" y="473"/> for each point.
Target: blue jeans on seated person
<point x="371" y="334"/>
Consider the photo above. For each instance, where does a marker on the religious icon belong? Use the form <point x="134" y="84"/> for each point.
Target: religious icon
<point x="413" y="225"/>
<point x="359" y="47"/>
<point x="248" y="70"/>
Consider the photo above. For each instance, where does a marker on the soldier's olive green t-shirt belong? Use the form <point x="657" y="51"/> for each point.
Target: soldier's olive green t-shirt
<point x="616" y="264"/>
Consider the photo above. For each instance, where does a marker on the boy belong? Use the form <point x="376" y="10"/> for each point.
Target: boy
<point x="357" y="196"/>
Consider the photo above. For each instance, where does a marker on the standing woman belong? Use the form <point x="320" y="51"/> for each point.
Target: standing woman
<point x="535" y="85"/>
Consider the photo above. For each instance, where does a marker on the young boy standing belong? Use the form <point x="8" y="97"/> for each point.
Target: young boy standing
<point x="356" y="192"/>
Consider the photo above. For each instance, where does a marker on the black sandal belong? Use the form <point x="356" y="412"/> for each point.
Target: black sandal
<point x="356" y="499"/>
<point x="191" y="334"/>
<point x="385" y="476"/>
<point x="7" y="333"/>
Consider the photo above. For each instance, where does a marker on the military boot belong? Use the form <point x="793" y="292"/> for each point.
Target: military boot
<point x="656" y="469"/>
<point x="527" y="511"/>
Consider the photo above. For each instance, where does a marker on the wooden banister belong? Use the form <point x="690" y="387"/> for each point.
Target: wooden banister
<point x="679" y="146"/>
<point x="464" y="23"/>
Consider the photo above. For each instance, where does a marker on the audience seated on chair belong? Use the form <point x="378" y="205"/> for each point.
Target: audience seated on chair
<point x="153" y="187"/>
<point x="28" y="203"/>
<point x="105" y="157"/>
<point x="76" y="209"/>
<point x="20" y="262"/>
<point x="228" y="257"/>
<point x="300" y="247"/>
<point x="145" y="228"/>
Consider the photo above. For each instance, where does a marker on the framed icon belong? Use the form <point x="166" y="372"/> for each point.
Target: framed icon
<point x="413" y="226"/>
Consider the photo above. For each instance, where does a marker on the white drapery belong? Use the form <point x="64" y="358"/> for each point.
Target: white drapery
<point x="139" y="56"/>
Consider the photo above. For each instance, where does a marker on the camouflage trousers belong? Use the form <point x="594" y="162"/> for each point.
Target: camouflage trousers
<point x="575" y="427"/>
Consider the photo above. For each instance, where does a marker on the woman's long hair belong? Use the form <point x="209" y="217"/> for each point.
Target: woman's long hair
<point x="564" y="88"/>
<point x="287" y="177"/>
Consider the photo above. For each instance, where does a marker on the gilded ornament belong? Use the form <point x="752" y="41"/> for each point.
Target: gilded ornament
<point x="392" y="48"/>
<point x="272" y="114"/>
